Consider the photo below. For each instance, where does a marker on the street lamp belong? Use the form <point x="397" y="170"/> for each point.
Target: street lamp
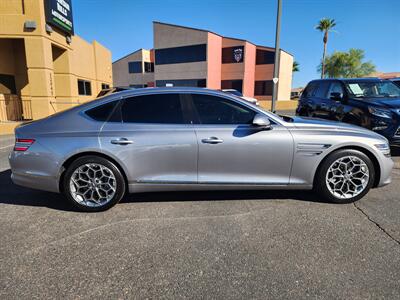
<point x="275" y="79"/>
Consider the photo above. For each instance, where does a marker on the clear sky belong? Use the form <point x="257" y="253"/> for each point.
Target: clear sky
<point x="372" y="25"/>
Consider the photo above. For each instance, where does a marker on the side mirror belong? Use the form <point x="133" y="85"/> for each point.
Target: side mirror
<point x="336" y="96"/>
<point x="261" y="121"/>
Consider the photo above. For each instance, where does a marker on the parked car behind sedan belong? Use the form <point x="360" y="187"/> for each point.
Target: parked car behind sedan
<point x="239" y="94"/>
<point x="368" y="102"/>
<point x="396" y="81"/>
<point x="180" y="139"/>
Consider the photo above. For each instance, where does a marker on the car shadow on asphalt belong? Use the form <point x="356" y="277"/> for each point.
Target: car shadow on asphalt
<point x="15" y="195"/>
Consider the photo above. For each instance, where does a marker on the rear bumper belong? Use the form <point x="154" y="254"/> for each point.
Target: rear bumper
<point x="35" y="181"/>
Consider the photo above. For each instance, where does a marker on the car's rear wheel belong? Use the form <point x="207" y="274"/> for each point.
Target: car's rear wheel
<point x="345" y="176"/>
<point x="93" y="183"/>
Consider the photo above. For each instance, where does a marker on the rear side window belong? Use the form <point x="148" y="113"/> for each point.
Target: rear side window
<point x="322" y="90"/>
<point x="160" y="108"/>
<point x="310" y="90"/>
<point x="216" y="110"/>
<point x="101" y="112"/>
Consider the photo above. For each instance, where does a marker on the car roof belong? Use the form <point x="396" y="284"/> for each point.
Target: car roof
<point x="157" y="90"/>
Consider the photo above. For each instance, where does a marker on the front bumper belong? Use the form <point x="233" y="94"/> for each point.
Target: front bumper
<point x="386" y="166"/>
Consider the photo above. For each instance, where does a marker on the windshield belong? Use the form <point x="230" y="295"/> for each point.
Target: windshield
<point x="373" y="89"/>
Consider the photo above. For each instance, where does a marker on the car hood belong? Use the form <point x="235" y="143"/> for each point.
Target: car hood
<point x="393" y="103"/>
<point x="315" y="123"/>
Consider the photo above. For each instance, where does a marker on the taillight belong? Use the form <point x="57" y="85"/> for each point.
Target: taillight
<point x="23" y="144"/>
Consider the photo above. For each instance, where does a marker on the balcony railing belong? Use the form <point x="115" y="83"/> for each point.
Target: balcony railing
<point x="12" y="109"/>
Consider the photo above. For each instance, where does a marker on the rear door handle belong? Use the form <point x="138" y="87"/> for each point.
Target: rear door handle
<point x="212" y="140"/>
<point x="121" y="141"/>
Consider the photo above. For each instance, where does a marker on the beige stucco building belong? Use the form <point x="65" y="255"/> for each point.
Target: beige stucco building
<point x="184" y="56"/>
<point x="44" y="69"/>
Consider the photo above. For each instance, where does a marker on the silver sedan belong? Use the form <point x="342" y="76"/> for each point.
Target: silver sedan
<point x="176" y="139"/>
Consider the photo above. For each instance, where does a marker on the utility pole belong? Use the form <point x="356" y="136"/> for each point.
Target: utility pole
<point x="277" y="57"/>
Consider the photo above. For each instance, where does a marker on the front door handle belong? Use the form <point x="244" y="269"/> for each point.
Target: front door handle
<point x="121" y="141"/>
<point x="212" y="140"/>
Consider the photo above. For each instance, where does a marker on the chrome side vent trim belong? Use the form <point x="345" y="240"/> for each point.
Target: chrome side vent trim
<point x="311" y="149"/>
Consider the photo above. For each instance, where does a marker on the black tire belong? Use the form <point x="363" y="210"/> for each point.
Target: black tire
<point x="119" y="182"/>
<point x="320" y="184"/>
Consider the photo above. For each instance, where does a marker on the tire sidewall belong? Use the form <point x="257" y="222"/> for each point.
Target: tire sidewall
<point x="320" y="180"/>
<point x="120" y="189"/>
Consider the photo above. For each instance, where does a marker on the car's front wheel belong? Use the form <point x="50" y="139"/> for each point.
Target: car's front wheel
<point x="345" y="176"/>
<point x="93" y="183"/>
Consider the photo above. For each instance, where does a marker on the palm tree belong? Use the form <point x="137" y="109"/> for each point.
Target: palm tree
<point x="325" y="25"/>
<point x="295" y="67"/>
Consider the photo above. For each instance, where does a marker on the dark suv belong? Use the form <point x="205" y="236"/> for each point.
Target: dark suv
<point x="368" y="102"/>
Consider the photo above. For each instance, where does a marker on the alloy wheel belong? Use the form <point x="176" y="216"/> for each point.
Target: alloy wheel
<point x="92" y="185"/>
<point x="347" y="177"/>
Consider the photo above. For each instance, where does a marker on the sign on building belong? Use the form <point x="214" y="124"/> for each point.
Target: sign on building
<point x="59" y="14"/>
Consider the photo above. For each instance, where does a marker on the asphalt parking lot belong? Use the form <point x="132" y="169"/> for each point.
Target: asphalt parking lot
<point x="217" y="245"/>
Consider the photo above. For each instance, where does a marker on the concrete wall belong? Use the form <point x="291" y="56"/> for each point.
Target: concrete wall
<point x="46" y="67"/>
<point x="285" y="76"/>
<point x="214" y="57"/>
<point x="168" y="36"/>
<point x="120" y="69"/>
<point x="249" y="69"/>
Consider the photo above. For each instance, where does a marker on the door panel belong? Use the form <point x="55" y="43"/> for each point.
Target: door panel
<point x="244" y="155"/>
<point x="150" y="135"/>
<point x="158" y="153"/>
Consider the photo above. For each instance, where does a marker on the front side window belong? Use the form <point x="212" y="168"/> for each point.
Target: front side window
<point x="160" y="108"/>
<point x="216" y="110"/>
<point x="84" y="87"/>
<point x="335" y="87"/>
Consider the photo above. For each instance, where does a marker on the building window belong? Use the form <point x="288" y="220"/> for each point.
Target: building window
<point x="232" y="84"/>
<point x="182" y="82"/>
<point x="105" y="86"/>
<point x="135" y="67"/>
<point x="179" y="55"/>
<point x="263" y="88"/>
<point x="84" y="87"/>
<point x="264" y="57"/>
<point x="148" y="67"/>
<point x="232" y="55"/>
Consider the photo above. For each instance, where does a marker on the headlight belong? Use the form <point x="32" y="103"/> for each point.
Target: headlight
<point x="384" y="148"/>
<point x="380" y="112"/>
